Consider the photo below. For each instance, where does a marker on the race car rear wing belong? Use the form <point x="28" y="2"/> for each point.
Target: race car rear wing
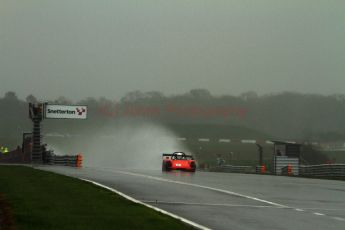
<point x="169" y="155"/>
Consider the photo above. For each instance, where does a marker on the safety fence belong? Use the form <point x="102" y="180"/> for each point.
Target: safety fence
<point x="327" y="171"/>
<point x="15" y="156"/>
<point x="323" y="170"/>
<point x="48" y="157"/>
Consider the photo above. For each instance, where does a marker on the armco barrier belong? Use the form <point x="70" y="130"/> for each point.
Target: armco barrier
<point x="233" y="169"/>
<point x="323" y="170"/>
<point x="74" y="161"/>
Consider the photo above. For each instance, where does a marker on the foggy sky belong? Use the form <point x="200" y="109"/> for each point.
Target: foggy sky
<point x="80" y="48"/>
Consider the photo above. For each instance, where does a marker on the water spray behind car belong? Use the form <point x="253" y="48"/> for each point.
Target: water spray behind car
<point x="126" y="144"/>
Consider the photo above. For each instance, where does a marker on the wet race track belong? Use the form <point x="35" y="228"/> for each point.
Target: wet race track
<point x="229" y="200"/>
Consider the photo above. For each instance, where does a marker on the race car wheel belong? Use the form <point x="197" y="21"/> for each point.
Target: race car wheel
<point x="193" y="166"/>
<point x="168" y="165"/>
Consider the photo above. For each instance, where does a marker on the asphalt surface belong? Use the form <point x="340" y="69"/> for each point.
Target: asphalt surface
<point x="229" y="200"/>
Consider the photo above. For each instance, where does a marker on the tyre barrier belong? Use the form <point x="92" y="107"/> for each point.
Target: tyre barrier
<point x="261" y="169"/>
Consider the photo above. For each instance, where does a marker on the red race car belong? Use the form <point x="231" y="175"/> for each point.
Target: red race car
<point x="178" y="161"/>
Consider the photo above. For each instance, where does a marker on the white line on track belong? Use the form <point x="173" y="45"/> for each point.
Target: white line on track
<point x="318" y="214"/>
<point x="191" y="223"/>
<point x="324" y="209"/>
<point x="271" y="204"/>
<point x="208" y="204"/>
<point x="338" y="218"/>
<point x="204" y="139"/>
<point x="224" y="140"/>
<point x="205" y="187"/>
<point x="299" y="210"/>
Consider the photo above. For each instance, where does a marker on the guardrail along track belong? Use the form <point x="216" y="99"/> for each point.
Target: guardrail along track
<point x="66" y="160"/>
<point x="323" y="170"/>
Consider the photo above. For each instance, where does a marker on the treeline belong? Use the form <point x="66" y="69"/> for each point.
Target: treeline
<point x="285" y="115"/>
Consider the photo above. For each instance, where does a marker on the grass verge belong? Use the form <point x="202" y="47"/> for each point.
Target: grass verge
<point x="45" y="200"/>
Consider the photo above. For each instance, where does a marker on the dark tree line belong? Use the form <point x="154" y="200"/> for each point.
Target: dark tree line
<point x="285" y="115"/>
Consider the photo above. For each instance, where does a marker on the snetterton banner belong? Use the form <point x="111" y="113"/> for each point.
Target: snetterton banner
<point x="66" y="111"/>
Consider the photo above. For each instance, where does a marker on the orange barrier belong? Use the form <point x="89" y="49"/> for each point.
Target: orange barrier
<point x="79" y="160"/>
<point x="289" y="169"/>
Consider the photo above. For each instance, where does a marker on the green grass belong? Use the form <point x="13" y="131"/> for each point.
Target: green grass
<point x="44" y="200"/>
